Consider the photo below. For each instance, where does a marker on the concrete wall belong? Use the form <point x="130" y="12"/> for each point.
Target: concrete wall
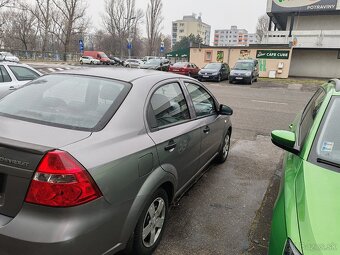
<point x="231" y="55"/>
<point x="315" y="63"/>
<point x="321" y="22"/>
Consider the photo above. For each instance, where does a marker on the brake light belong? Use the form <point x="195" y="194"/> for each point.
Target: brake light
<point x="61" y="181"/>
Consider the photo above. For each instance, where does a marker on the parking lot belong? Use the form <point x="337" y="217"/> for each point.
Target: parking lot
<point x="228" y="211"/>
<point x="223" y="212"/>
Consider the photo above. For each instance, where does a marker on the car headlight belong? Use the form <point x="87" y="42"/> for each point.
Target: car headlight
<point x="291" y="249"/>
<point x="232" y="72"/>
<point x="248" y="73"/>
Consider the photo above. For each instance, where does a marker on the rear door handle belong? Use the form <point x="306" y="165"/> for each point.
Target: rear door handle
<point x="11" y="88"/>
<point x="206" y="130"/>
<point x="171" y="146"/>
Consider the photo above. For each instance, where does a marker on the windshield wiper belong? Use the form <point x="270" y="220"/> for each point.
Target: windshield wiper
<point x="326" y="162"/>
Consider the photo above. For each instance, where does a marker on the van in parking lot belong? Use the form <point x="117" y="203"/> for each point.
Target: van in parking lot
<point x="104" y="59"/>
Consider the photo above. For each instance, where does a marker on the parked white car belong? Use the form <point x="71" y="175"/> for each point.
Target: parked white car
<point x="14" y="75"/>
<point x="89" y="60"/>
<point x="7" y="56"/>
<point x="134" y="63"/>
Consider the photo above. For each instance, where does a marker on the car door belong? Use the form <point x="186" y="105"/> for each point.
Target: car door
<point x="177" y="137"/>
<point x="213" y="125"/>
<point x="224" y="71"/>
<point x="6" y="81"/>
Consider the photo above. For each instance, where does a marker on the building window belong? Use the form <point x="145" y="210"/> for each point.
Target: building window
<point x="208" y="56"/>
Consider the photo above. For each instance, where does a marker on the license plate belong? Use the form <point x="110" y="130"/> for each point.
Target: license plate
<point x="175" y="70"/>
<point x="205" y="76"/>
<point x="239" y="78"/>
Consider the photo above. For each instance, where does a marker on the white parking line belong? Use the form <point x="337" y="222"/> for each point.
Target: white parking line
<point x="51" y="70"/>
<point x="268" y="102"/>
<point x="60" y="69"/>
<point x="42" y="71"/>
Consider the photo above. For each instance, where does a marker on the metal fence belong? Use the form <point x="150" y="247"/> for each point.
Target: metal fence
<point x="45" y="56"/>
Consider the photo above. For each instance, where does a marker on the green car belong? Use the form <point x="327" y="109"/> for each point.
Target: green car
<point x="306" y="217"/>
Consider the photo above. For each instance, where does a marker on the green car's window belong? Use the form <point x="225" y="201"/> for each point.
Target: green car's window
<point x="327" y="145"/>
<point x="309" y="114"/>
<point x="203" y="102"/>
<point x="169" y="105"/>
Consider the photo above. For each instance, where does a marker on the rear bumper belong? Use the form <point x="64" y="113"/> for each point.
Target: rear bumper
<point x="90" y="229"/>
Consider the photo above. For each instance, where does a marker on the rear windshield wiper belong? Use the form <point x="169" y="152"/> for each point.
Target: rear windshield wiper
<point x="330" y="163"/>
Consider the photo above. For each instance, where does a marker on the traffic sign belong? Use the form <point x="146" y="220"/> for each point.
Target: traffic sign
<point x="81" y="45"/>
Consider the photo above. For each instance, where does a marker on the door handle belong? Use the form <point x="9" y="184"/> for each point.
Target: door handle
<point x="171" y="146"/>
<point x="11" y="88"/>
<point x="206" y="130"/>
<point x="291" y="126"/>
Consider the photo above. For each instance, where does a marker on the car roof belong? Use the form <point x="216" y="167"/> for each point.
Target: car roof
<point x="122" y="74"/>
<point x="246" y="60"/>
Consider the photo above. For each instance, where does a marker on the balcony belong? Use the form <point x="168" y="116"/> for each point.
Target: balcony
<point x="305" y="39"/>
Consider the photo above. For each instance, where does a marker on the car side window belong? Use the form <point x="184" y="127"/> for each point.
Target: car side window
<point x="169" y="106"/>
<point x="4" y="76"/>
<point x="23" y="73"/>
<point x="204" y="103"/>
<point x="310" y="113"/>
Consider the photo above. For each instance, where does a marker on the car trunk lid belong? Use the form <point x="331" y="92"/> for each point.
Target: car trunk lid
<point x="22" y="146"/>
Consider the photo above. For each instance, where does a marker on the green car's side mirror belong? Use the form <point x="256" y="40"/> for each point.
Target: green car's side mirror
<point x="285" y="140"/>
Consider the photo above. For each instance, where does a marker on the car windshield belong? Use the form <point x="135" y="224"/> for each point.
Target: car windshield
<point x="70" y="101"/>
<point x="180" y="64"/>
<point x="328" y="144"/>
<point x="213" y="66"/>
<point x="153" y="62"/>
<point x="243" y="66"/>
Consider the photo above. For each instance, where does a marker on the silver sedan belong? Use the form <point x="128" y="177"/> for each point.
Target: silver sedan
<point x="92" y="159"/>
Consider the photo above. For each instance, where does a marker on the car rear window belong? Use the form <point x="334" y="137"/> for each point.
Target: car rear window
<point x="69" y="101"/>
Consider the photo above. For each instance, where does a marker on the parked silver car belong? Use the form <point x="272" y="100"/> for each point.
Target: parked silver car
<point x="91" y="159"/>
<point x="134" y="63"/>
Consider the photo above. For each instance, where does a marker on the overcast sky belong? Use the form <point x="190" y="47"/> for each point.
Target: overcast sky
<point x="220" y="14"/>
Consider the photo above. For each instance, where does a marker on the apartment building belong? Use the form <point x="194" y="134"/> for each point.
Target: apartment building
<point x="190" y="24"/>
<point x="312" y="29"/>
<point x="233" y="37"/>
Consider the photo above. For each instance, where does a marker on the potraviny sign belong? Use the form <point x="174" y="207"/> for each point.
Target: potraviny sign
<point x="272" y="54"/>
<point x="303" y="5"/>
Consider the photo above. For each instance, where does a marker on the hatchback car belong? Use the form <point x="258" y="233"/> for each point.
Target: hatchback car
<point x="245" y="71"/>
<point x="133" y="63"/>
<point x="91" y="159"/>
<point x="14" y="75"/>
<point x="215" y="72"/>
<point x="184" y="68"/>
<point x="156" y="64"/>
<point x="306" y="215"/>
<point x="89" y="60"/>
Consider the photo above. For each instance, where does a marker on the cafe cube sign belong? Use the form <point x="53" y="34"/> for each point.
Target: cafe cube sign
<point x="272" y="54"/>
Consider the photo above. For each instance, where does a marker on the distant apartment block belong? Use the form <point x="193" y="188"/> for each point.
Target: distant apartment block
<point x="233" y="37"/>
<point x="190" y="25"/>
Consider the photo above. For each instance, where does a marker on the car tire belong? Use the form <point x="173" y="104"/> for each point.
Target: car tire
<point x="256" y="80"/>
<point x="224" y="152"/>
<point x="81" y="62"/>
<point x="250" y="81"/>
<point x="143" y="243"/>
<point x="91" y="63"/>
<point x="230" y="81"/>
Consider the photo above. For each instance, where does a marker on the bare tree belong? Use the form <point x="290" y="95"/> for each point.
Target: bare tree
<point x="154" y="20"/>
<point x="121" y="20"/>
<point x="262" y="27"/>
<point x="7" y="3"/>
<point x="69" y="19"/>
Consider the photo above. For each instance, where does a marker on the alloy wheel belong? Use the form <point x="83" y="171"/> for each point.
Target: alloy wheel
<point x="153" y="222"/>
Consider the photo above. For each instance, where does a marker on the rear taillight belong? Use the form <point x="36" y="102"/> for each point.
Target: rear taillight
<point x="61" y="181"/>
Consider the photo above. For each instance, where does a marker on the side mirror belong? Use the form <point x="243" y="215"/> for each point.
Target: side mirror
<point x="226" y="110"/>
<point x="285" y="140"/>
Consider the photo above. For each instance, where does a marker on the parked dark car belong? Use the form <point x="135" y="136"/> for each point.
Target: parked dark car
<point x="156" y="64"/>
<point x="92" y="158"/>
<point x="215" y="72"/>
<point x="117" y="61"/>
<point x="185" y="68"/>
<point x="245" y="71"/>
